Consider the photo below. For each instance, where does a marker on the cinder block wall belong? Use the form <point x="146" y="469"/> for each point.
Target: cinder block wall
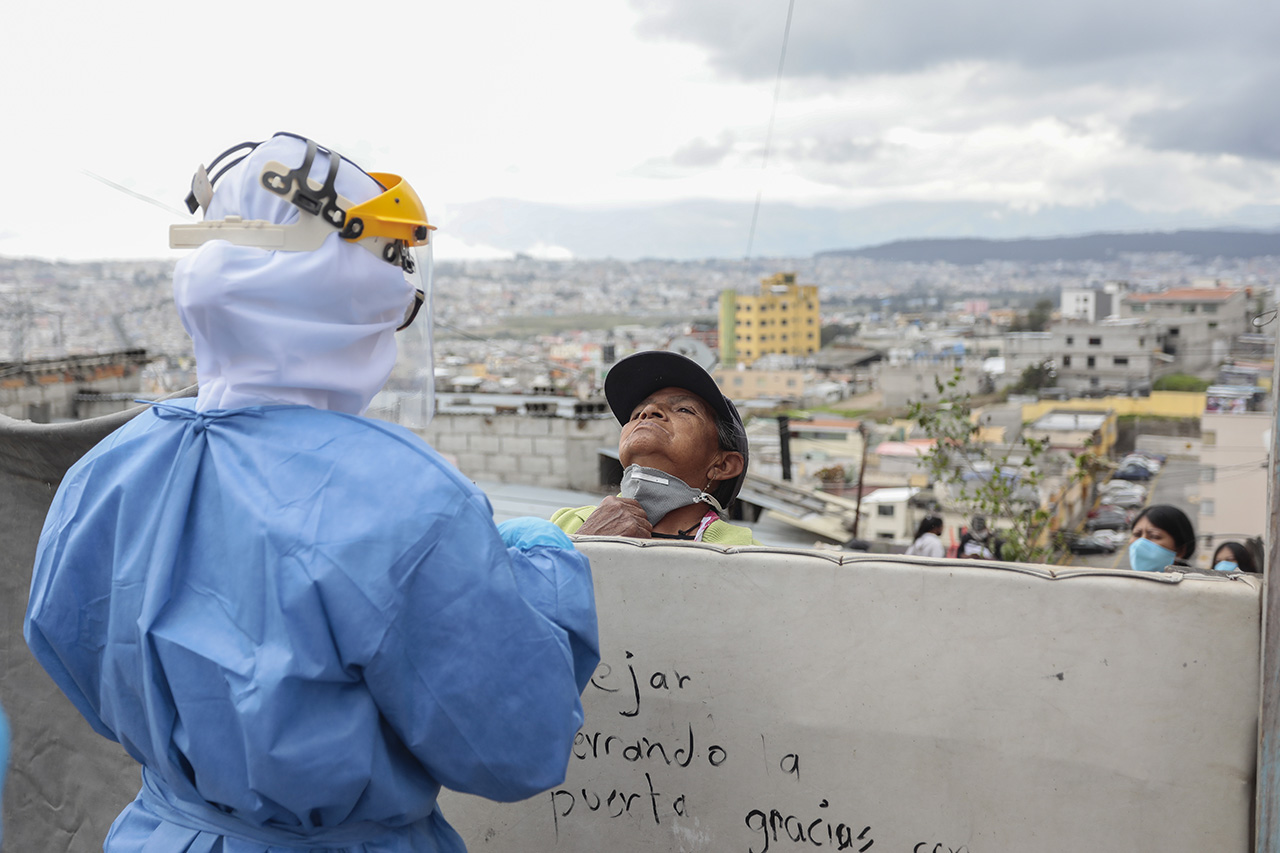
<point x="54" y="400"/>
<point x="555" y="452"/>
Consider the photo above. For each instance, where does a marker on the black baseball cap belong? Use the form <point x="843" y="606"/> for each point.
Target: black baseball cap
<point x="630" y="382"/>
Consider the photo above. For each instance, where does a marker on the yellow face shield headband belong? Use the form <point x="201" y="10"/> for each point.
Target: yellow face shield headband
<point x="392" y="225"/>
<point x="386" y="224"/>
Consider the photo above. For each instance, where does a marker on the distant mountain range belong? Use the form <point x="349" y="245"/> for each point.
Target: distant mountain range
<point x="1090" y="247"/>
<point x="963" y="232"/>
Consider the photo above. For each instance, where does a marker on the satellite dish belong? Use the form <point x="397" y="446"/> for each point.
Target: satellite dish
<point x="696" y="350"/>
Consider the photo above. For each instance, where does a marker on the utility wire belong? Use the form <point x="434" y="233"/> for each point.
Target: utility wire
<point x="148" y="199"/>
<point x="768" y="138"/>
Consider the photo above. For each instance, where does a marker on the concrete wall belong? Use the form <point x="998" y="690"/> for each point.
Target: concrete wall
<point x="1164" y="404"/>
<point x="740" y="684"/>
<point x="914" y="381"/>
<point x="554" y="452"/>
<point x="44" y="402"/>
<point x="784" y="701"/>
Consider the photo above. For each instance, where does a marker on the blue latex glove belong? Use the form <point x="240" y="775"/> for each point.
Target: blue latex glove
<point x="529" y="532"/>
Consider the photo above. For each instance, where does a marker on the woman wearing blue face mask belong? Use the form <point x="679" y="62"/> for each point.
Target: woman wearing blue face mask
<point x="1233" y="557"/>
<point x="1163" y="540"/>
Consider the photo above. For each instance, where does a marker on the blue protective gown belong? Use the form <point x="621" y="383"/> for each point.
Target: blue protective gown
<point x="302" y="623"/>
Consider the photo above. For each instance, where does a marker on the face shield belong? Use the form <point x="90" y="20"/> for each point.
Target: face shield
<point x="408" y="398"/>
<point x="392" y="224"/>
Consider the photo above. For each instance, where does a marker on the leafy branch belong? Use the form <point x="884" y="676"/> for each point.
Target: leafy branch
<point x="1005" y="484"/>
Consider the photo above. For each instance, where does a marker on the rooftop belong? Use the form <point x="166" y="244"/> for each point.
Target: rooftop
<point x="1187" y="294"/>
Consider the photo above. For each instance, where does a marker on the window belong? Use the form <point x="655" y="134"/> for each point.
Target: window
<point x="1070" y="341"/>
<point x="1120" y="361"/>
<point x="1208" y="475"/>
<point x="1095" y="342"/>
<point x="888" y="536"/>
<point x="884" y="510"/>
<point x="1138" y="308"/>
<point x="1213" y="326"/>
<point x="1092" y="361"/>
<point x="1066" y="361"/>
<point x="1210" y="309"/>
<point x="1208" y="437"/>
<point x="1188" y="309"/>
<point x="1206" y="506"/>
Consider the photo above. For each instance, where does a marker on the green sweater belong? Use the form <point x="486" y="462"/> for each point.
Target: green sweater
<point x="570" y="519"/>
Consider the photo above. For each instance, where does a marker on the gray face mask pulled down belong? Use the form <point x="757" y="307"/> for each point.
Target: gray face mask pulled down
<point x="659" y="493"/>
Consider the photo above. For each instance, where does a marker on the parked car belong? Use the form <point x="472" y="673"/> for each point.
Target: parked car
<point x="1126" y="500"/>
<point x="1137" y="459"/>
<point x="1092" y="543"/>
<point x="1115" y="486"/>
<point x="1115" y="537"/>
<point x="1112" y="518"/>
<point x="1133" y="472"/>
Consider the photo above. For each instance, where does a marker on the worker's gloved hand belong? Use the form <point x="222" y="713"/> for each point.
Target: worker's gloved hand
<point x="529" y="532"/>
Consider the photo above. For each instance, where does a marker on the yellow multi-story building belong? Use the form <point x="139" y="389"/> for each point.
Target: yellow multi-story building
<point x="781" y="319"/>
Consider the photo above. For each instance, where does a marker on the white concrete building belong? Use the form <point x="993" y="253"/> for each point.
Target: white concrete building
<point x="1114" y="356"/>
<point x="887" y="515"/>
<point x="1234" y="450"/>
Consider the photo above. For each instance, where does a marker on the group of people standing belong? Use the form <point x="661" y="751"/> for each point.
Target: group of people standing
<point x="1162" y="539"/>
<point x="977" y="541"/>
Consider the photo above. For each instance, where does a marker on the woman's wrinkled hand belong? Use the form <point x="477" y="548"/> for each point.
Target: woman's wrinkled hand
<point x="617" y="517"/>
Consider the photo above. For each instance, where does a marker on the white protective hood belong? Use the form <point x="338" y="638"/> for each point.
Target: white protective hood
<point x="274" y="327"/>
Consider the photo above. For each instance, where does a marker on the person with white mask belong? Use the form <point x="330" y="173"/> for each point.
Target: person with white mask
<point x="302" y="621"/>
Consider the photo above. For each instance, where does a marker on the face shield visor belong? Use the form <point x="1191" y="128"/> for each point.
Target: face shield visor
<point x="408" y="397"/>
<point x="392" y="225"/>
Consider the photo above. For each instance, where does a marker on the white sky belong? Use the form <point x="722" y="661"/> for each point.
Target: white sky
<point x="601" y="102"/>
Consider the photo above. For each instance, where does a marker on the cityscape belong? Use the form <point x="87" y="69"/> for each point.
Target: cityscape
<point x="1027" y="342"/>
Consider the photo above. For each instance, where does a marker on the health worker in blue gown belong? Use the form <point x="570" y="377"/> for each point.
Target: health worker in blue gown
<point x="302" y="621"/>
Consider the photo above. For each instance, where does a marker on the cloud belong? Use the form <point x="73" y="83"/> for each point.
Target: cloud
<point x="846" y="38"/>
<point x="699" y="153"/>
<point x="1196" y="76"/>
<point x="833" y="150"/>
<point x="1231" y="117"/>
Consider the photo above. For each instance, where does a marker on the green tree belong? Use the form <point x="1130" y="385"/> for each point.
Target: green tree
<point x="1035" y="377"/>
<point x="1180" y="382"/>
<point x="1035" y="320"/>
<point x="1003" y="484"/>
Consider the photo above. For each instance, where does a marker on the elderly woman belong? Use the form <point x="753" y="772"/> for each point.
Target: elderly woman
<point x="684" y="451"/>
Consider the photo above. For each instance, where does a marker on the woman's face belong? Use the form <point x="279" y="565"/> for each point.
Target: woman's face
<point x="1144" y="529"/>
<point x="1223" y="553"/>
<point x="674" y="431"/>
